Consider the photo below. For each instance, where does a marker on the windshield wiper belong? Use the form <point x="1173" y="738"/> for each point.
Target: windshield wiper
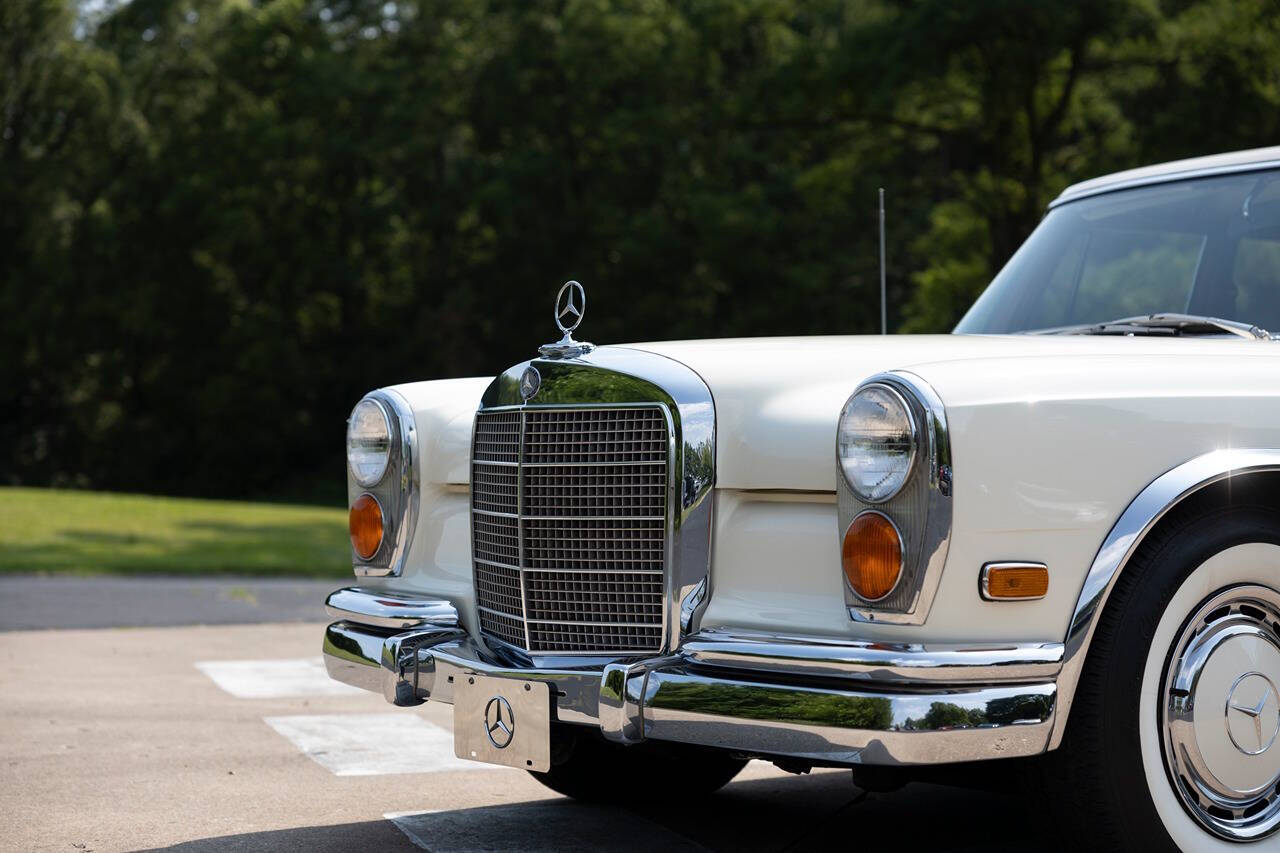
<point x="1172" y="325"/>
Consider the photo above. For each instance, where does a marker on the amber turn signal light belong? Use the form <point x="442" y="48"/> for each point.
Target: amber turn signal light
<point x="872" y="555"/>
<point x="365" y="525"/>
<point x="1014" y="581"/>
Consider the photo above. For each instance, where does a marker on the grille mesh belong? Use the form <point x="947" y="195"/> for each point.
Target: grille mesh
<point x="569" y="527"/>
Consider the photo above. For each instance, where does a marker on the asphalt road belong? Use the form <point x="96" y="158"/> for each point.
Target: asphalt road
<point x="230" y="737"/>
<point x="29" y="602"/>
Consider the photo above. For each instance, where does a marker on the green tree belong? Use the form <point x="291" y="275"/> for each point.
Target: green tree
<point x="223" y="221"/>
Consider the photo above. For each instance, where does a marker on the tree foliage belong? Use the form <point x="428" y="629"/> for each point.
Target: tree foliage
<point x="221" y="221"/>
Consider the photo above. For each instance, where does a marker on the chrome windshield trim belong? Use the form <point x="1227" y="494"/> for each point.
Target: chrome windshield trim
<point x="1146" y="510"/>
<point x="1166" y="178"/>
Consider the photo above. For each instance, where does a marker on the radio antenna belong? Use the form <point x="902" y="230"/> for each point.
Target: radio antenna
<point x="884" y="313"/>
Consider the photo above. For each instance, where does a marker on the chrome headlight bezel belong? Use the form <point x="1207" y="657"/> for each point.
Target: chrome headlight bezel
<point x="920" y="508"/>
<point x="902" y="464"/>
<point x="396" y="490"/>
<point x="354" y="468"/>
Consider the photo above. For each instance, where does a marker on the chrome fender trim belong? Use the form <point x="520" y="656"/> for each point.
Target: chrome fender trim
<point x="1146" y="510"/>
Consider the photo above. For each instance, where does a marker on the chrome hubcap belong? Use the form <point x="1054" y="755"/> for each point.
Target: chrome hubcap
<point x="1220" y="713"/>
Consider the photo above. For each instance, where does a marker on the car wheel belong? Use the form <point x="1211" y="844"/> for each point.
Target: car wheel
<point x="1171" y="741"/>
<point x="587" y="767"/>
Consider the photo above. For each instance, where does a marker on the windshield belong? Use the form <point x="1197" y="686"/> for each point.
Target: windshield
<point x="1209" y="246"/>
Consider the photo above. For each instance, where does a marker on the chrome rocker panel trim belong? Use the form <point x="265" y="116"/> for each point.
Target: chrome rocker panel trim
<point x="828" y="703"/>
<point x="1146" y="510"/>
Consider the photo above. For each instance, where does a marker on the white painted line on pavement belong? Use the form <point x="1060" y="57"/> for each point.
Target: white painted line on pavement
<point x="374" y="744"/>
<point x="274" y="679"/>
<point x="550" y="826"/>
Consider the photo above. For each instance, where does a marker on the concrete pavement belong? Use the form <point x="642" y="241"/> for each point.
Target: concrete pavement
<point x="172" y="738"/>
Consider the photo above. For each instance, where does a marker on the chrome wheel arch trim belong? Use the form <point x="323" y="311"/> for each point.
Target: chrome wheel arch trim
<point x="690" y="408"/>
<point x="1138" y="519"/>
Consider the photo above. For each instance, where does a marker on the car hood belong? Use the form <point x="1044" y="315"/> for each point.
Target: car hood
<point x="778" y="400"/>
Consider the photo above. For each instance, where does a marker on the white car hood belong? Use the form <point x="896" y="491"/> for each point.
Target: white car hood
<point x="778" y="399"/>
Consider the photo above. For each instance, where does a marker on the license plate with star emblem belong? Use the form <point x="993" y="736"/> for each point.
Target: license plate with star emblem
<point x="502" y="721"/>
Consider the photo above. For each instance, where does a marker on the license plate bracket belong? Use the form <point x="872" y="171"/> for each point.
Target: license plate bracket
<point x="503" y="721"/>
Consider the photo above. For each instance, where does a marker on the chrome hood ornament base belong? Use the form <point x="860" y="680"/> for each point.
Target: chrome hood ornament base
<point x="571" y="305"/>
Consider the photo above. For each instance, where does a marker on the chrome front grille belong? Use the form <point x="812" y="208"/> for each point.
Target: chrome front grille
<point x="569" y="527"/>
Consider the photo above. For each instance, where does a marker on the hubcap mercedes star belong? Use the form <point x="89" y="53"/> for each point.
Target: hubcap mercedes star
<point x="1252" y="717"/>
<point x="1221" y="713"/>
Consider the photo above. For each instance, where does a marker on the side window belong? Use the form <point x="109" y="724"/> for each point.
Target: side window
<point x="1129" y="273"/>
<point x="1256" y="276"/>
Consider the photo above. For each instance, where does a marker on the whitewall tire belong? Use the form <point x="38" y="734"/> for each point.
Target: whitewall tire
<point x="1173" y="738"/>
<point x="1209" y="711"/>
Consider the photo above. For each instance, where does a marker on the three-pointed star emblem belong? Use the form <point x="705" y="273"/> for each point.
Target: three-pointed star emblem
<point x="530" y="382"/>
<point x="571" y="302"/>
<point x="499" y="722"/>
<point x="1261" y="712"/>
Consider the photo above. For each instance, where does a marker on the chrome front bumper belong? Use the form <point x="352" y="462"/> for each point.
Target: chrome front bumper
<point x="819" y="700"/>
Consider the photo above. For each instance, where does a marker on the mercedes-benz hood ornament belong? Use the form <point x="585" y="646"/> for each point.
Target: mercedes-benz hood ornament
<point x="571" y="306"/>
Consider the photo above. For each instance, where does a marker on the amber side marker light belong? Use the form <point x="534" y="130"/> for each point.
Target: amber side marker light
<point x="872" y="555"/>
<point x="365" y="524"/>
<point x="1014" y="581"/>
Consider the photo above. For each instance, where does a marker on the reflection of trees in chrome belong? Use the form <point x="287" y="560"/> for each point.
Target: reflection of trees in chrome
<point x="850" y="712"/>
<point x="573" y="383"/>
<point x="781" y="705"/>
<point x="947" y="715"/>
<point x="699" y="469"/>
<point x="577" y="384"/>
<point x="1002" y="711"/>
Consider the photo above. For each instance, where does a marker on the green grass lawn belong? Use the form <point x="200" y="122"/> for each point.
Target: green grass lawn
<point x="53" y="530"/>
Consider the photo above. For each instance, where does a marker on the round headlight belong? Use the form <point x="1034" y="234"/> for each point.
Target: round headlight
<point x="876" y="442"/>
<point x="368" y="442"/>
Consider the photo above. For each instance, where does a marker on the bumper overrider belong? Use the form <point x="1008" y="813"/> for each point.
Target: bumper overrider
<point x="819" y="700"/>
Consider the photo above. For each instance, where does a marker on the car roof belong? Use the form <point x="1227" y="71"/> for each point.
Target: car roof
<point x="1214" y="164"/>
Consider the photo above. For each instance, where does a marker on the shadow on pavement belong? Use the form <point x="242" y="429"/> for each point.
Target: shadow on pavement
<point x="818" y="812"/>
<point x="367" y="835"/>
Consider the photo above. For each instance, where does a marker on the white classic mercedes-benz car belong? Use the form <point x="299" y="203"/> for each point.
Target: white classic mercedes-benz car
<point x="1051" y="538"/>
